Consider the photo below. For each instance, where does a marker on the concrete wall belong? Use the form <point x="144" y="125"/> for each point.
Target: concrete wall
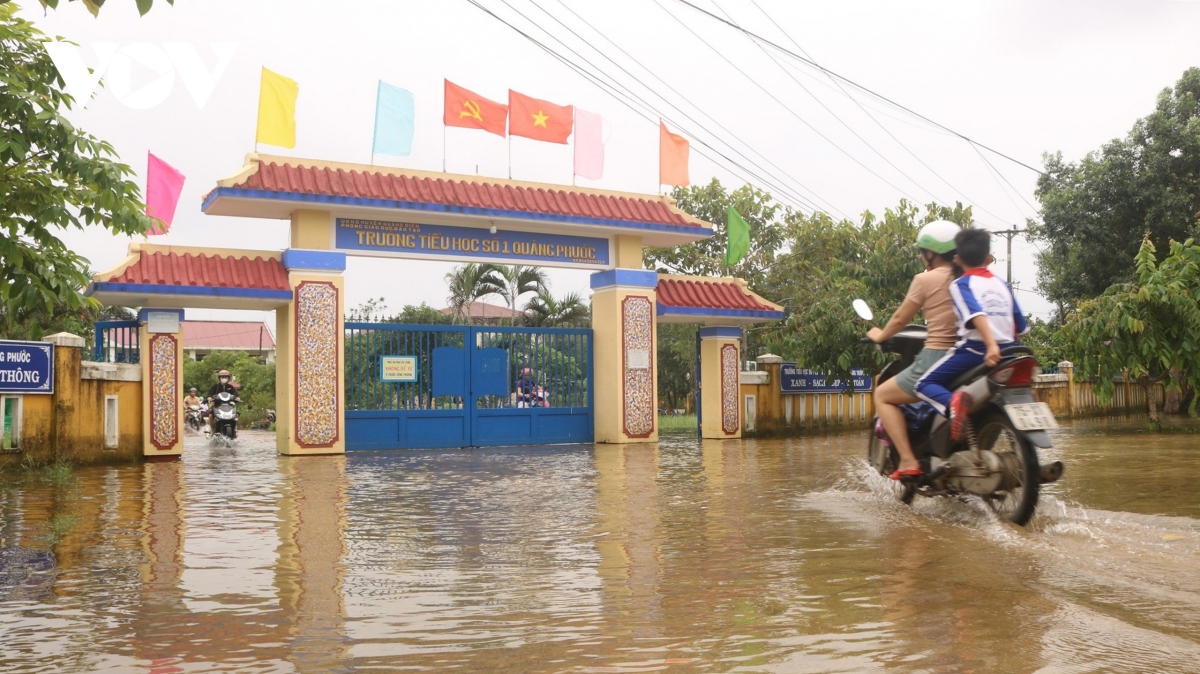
<point x="69" y="424"/>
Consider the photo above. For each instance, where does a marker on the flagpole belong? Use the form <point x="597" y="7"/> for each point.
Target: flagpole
<point x="510" y="154"/>
<point x="574" y="132"/>
<point x="443" y="148"/>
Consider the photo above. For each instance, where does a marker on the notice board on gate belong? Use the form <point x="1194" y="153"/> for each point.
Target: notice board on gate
<point x="26" y="367"/>
<point x="798" y="380"/>
<point x="398" y="368"/>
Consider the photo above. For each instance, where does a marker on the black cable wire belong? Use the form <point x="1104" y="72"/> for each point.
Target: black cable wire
<point x="827" y="108"/>
<point x="624" y="97"/>
<point x="669" y="87"/>
<point x="871" y="116"/>
<point x="784" y="105"/>
<point x="856" y="85"/>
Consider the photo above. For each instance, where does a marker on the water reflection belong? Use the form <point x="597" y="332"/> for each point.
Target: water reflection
<point x="779" y="555"/>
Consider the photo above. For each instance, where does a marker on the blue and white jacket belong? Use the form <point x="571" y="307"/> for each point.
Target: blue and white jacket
<point x="979" y="294"/>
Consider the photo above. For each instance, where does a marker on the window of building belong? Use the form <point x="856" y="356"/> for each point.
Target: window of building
<point x="10" y="408"/>
<point x="111" y="434"/>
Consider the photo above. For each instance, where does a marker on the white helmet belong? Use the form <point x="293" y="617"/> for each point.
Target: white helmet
<point x="938" y="236"/>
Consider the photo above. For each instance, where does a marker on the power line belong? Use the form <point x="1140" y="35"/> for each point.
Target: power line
<point x="623" y="95"/>
<point x="668" y="86"/>
<point x="782" y="104"/>
<point x="867" y="112"/>
<point x="856" y="85"/>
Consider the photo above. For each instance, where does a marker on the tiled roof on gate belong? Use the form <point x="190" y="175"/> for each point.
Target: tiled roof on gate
<point x="463" y="192"/>
<point x="714" y="294"/>
<point x="214" y="271"/>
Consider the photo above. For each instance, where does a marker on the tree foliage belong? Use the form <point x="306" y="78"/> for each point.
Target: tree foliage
<point x="520" y="280"/>
<point x="94" y="6"/>
<point x="829" y="263"/>
<point x="256" y="378"/>
<point x="53" y="177"/>
<point x="1147" y="328"/>
<point x="546" y="311"/>
<point x="676" y="355"/>
<point x="1096" y="211"/>
<point x="470" y="282"/>
<point x="375" y="310"/>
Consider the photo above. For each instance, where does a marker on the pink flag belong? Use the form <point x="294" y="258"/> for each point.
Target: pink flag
<point x="163" y="185"/>
<point x="589" y="145"/>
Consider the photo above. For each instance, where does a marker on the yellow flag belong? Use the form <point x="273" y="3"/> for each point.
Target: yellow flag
<point x="277" y="110"/>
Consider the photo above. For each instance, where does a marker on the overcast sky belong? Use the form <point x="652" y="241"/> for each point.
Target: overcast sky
<point x="1021" y="77"/>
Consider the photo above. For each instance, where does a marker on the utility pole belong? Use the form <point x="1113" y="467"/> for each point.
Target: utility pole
<point x="1009" y="234"/>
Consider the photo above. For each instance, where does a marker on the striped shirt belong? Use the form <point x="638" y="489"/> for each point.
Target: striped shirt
<point x="979" y="294"/>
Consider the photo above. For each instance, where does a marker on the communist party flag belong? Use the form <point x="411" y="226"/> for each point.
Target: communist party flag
<point x="672" y="157"/>
<point x="470" y="110"/>
<point x="538" y="119"/>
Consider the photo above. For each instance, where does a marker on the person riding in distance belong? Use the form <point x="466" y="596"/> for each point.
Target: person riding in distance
<point x="222" y="386"/>
<point x="526" y="388"/>
<point x="191" y="399"/>
<point x="928" y="293"/>
<point x="988" y="318"/>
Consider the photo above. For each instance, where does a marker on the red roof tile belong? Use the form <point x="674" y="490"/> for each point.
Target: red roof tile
<point x="218" y="271"/>
<point x="707" y="295"/>
<point x="240" y="335"/>
<point x="462" y="193"/>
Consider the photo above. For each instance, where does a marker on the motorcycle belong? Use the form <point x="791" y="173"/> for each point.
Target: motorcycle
<point x="997" y="460"/>
<point x="195" y="419"/>
<point x="225" y="415"/>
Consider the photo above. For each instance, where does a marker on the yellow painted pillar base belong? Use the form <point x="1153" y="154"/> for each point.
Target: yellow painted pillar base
<point x="310" y="374"/>
<point x="162" y="382"/>
<point x="625" y="337"/>
<point x="720" y="358"/>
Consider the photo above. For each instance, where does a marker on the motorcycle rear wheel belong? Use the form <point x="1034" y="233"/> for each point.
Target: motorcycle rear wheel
<point x="885" y="459"/>
<point x="997" y="433"/>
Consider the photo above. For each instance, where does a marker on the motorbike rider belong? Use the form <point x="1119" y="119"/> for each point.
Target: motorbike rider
<point x="223" y="385"/>
<point x="527" y="388"/>
<point x="191" y="399"/>
<point x="928" y="293"/>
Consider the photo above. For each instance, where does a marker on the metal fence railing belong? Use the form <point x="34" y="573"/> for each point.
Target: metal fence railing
<point x="116" y="342"/>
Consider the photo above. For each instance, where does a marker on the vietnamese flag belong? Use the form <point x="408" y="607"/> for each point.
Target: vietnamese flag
<point x="470" y="110"/>
<point x="538" y="119"/>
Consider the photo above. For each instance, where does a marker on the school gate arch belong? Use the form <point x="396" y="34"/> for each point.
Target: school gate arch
<point x="337" y="209"/>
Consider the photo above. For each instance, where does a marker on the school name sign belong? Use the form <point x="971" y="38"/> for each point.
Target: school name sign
<point x="407" y="239"/>
<point x="26" y="367"/>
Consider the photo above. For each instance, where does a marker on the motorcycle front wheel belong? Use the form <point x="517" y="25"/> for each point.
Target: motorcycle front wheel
<point x="1017" y="503"/>
<point x="885" y="459"/>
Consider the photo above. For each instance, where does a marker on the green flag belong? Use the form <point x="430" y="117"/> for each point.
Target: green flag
<point x="738" y="237"/>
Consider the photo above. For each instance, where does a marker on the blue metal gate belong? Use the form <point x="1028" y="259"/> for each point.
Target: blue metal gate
<point x="467" y="386"/>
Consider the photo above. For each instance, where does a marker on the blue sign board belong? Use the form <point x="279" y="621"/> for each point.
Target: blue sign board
<point x="406" y="239"/>
<point x="26" y="367"/>
<point x="796" y="380"/>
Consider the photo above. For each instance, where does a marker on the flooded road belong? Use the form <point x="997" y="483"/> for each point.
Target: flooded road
<point x="759" y="556"/>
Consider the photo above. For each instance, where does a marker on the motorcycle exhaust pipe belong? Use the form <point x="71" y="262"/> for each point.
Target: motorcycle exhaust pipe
<point x="1050" y="472"/>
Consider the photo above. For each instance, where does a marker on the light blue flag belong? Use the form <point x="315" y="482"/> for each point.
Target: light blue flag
<point x="394" y="121"/>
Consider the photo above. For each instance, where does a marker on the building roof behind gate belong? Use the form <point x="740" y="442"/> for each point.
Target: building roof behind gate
<point x="712" y="301"/>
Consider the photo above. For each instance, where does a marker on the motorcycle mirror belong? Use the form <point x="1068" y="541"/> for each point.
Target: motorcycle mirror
<point x="863" y="310"/>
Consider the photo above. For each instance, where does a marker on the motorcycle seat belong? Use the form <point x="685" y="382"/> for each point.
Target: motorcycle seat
<point x="968" y="376"/>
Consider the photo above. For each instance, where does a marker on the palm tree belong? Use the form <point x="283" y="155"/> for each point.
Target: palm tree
<point x="543" y="311"/>
<point x="468" y="283"/>
<point x="519" y="280"/>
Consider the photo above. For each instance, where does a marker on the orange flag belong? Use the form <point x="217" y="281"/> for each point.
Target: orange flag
<point x="538" y="119"/>
<point x="470" y="110"/>
<point x="672" y="157"/>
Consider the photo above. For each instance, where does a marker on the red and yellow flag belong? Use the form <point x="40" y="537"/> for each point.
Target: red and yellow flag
<point x="470" y="110"/>
<point x="538" y="119"/>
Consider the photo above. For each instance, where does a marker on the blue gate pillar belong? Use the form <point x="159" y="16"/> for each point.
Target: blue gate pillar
<point x="625" y="337"/>
<point x="720" y="355"/>
<point x="310" y="379"/>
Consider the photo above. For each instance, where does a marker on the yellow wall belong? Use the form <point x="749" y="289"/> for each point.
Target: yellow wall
<point x="312" y="230"/>
<point x="69" y="424"/>
<point x="710" y="389"/>
<point x="609" y="404"/>
<point x="627" y="252"/>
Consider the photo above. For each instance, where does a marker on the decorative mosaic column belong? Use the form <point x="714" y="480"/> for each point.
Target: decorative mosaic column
<point x="720" y="411"/>
<point x="309" y="390"/>
<point x="625" y="337"/>
<point x="161" y="354"/>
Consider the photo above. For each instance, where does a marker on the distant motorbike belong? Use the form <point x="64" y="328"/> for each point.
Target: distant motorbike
<point x="195" y="418"/>
<point x="998" y="459"/>
<point x="225" y="415"/>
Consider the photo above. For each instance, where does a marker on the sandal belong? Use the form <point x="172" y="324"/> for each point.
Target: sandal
<point x="910" y="473"/>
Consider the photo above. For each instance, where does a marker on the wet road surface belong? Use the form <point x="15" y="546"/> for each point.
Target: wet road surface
<point x="758" y="556"/>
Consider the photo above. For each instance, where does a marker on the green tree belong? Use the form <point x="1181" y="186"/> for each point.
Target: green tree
<point x="676" y="363"/>
<point x="546" y="311"/>
<point x="53" y="177"/>
<point x="1147" y="328"/>
<point x="1047" y="341"/>
<point x="470" y="282"/>
<point x="375" y="310"/>
<point x="94" y="6"/>
<point x="829" y="263"/>
<point x="711" y="203"/>
<point x="1096" y="211"/>
<point x="520" y="280"/>
<point x="256" y="378"/>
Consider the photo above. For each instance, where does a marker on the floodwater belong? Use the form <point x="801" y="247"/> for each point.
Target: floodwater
<point x="758" y="556"/>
